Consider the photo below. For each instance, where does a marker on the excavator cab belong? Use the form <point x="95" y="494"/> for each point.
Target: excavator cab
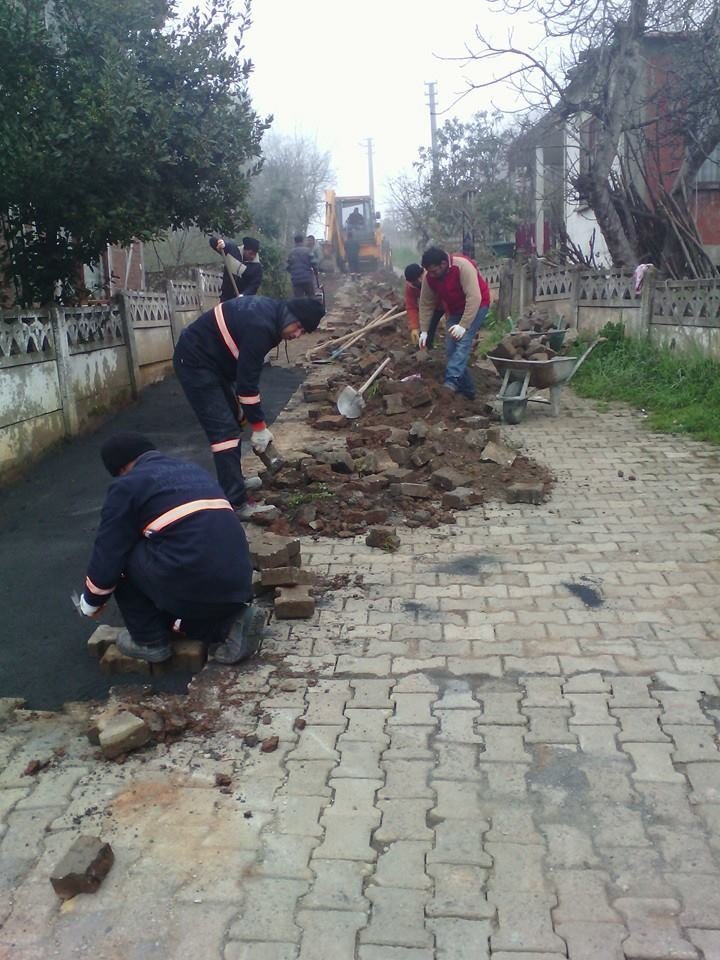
<point x="355" y="218"/>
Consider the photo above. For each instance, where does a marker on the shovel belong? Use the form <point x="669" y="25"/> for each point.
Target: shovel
<point x="350" y="402"/>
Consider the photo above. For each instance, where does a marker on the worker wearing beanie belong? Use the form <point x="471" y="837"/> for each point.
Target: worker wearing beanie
<point x="218" y="360"/>
<point x="171" y="551"/>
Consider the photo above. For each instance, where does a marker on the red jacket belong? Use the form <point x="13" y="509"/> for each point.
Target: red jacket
<point x="461" y="292"/>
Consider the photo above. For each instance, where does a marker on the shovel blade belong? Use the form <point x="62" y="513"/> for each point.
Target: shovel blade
<point x="350" y="403"/>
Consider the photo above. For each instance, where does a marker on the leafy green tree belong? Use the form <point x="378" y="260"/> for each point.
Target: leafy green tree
<point x="118" y="121"/>
<point x="461" y="192"/>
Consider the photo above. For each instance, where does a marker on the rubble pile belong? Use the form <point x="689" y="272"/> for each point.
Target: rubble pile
<point x="416" y="455"/>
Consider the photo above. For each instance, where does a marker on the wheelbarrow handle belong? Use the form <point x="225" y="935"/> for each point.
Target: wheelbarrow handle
<point x="585" y="355"/>
<point x="375" y="375"/>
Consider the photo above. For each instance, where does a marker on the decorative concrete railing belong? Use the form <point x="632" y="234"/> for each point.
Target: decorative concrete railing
<point x="609" y="287"/>
<point x="553" y="283"/>
<point x="692" y="303"/>
<point x="63" y="368"/>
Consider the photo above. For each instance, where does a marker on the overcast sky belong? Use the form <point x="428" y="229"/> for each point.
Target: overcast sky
<point x="341" y="71"/>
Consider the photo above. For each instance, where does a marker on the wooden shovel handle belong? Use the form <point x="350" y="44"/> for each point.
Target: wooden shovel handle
<point x="375" y="375"/>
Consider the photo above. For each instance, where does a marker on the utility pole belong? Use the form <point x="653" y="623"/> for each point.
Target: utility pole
<point x="371" y="178"/>
<point x="431" y="92"/>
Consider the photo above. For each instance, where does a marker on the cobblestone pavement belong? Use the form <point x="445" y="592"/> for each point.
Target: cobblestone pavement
<point x="509" y="751"/>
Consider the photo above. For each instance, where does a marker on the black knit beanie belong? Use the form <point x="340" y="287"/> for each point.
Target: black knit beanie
<point x="307" y="311"/>
<point x="123" y="448"/>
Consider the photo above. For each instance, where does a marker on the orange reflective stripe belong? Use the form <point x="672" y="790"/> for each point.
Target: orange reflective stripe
<point x="224" y="332"/>
<point x="254" y="399"/>
<point x="184" y="510"/>
<point x="99" y="591"/>
<point x="224" y="445"/>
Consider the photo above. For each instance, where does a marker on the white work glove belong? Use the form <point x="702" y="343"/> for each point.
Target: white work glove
<point x="457" y="331"/>
<point x="260" y="440"/>
<point x="422" y="341"/>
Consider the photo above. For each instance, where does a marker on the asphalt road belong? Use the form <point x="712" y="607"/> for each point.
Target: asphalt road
<point x="47" y="524"/>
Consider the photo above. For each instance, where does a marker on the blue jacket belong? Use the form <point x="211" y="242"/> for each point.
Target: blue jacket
<point x="253" y="326"/>
<point x="300" y="265"/>
<point x="183" y="560"/>
<point x="247" y="281"/>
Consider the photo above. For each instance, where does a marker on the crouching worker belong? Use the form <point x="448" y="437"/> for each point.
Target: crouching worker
<point x="171" y="551"/>
<point x="413" y="283"/>
<point x="218" y="361"/>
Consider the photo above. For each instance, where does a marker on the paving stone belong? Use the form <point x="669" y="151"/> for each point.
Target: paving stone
<point x="101" y="638"/>
<point x="615" y="825"/>
<point x="458" y="726"/>
<point x="359" y="759"/>
<point x="328" y="934"/>
<point x="397" y="918"/>
<point x="283" y="855"/>
<point x="530" y="665"/>
<point x="590" y="708"/>
<point x="599" y="741"/>
<point x="416" y="683"/>
<point x="631" y="692"/>
<point x="475" y="666"/>
<point x="370" y="952"/>
<point x="524" y="923"/>
<point x="308" y="778"/>
<point x="457" y="695"/>
<point x="568" y="846"/>
<point x="346" y="838"/>
<point x="549" y="725"/>
<point x="253" y="950"/>
<point x="366" y="726"/>
<point x="506" y="779"/>
<point x="326" y="702"/>
<point x="317" y="743"/>
<point x="693" y="744"/>
<point x="460" y="842"/>
<point x="654" y="930"/>
<point x="402" y="864"/>
<point x="337" y="885"/>
<point x="516" y="867"/>
<point x="412" y="709"/>
<point x="113" y="661"/>
<point x="459" y="892"/>
<point x="501" y="709"/>
<point x="543" y="692"/>
<point x="406" y="779"/>
<point x="681" y="707"/>
<point x="583" y="896"/>
<point x="456" y="800"/>
<point x="363" y="666"/>
<point x="271" y="918"/>
<point x="653" y="762"/>
<point x="353" y="797"/>
<point x="684" y="847"/>
<point x="700" y="896"/>
<point x="708" y="941"/>
<point x="590" y="941"/>
<point x="586" y="683"/>
<point x="705" y="781"/>
<point x="503" y="745"/>
<point x="371" y="694"/>
<point x="638" y="725"/>
<point x="293" y="603"/>
<point x="460" y="939"/>
<point x="299" y="815"/>
<point x="121" y="732"/>
<point x="456" y="761"/>
<point x="683" y="681"/>
<point x="403" y="820"/>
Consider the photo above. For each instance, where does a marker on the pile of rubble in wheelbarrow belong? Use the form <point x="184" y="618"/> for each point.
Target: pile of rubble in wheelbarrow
<point x="414" y="456"/>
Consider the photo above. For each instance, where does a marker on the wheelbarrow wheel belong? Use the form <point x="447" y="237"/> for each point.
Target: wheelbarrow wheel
<point x="514" y="410"/>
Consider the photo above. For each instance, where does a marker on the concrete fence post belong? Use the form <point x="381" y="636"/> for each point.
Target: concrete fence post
<point x="172" y="308"/>
<point x="68" y="399"/>
<point x="573" y="304"/>
<point x="647" y="301"/>
<point x="505" y="293"/>
<point x="130" y="343"/>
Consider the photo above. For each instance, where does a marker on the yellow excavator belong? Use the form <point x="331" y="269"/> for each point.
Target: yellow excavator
<point x="353" y="236"/>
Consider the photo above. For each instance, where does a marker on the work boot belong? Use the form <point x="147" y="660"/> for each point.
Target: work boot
<point x="250" y="509"/>
<point x="151" y="652"/>
<point x="253" y="483"/>
<point x="245" y="637"/>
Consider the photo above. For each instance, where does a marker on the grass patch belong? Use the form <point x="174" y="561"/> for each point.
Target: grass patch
<point x="680" y="391"/>
<point x="492" y="332"/>
<point x="311" y="496"/>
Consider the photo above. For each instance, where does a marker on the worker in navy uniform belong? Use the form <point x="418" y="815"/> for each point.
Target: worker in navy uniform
<point x="218" y="360"/>
<point x="171" y="551"/>
<point x="243" y="271"/>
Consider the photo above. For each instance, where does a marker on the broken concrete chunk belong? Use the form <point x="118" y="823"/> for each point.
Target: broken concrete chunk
<point x="269" y="550"/>
<point x="419" y="491"/>
<point x="394" y="404"/>
<point x="447" y="479"/>
<point x="113" y="661"/>
<point x="499" y="453"/>
<point x="525" y="493"/>
<point x="101" y="639"/>
<point x="461" y="498"/>
<point x="294" y="603"/>
<point x="329" y="422"/>
<point x="400" y="455"/>
<point x="189" y="655"/>
<point x="285" y="577"/>
<point x="83" y="868"/>
<point x="417" y="395"/>
<point x="384" y="538"/>
<point x="397" y="474"/>
<point x="374" y="483"/>
<point x="476" y="438"/>
<point x="418" y="431"/>
<point x="318" y="472"/>
<point x="421" y="455"/>
<point x="122" y="733"/>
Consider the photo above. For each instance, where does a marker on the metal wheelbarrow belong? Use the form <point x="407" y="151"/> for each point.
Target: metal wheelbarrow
<point x="522" y="376"/>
